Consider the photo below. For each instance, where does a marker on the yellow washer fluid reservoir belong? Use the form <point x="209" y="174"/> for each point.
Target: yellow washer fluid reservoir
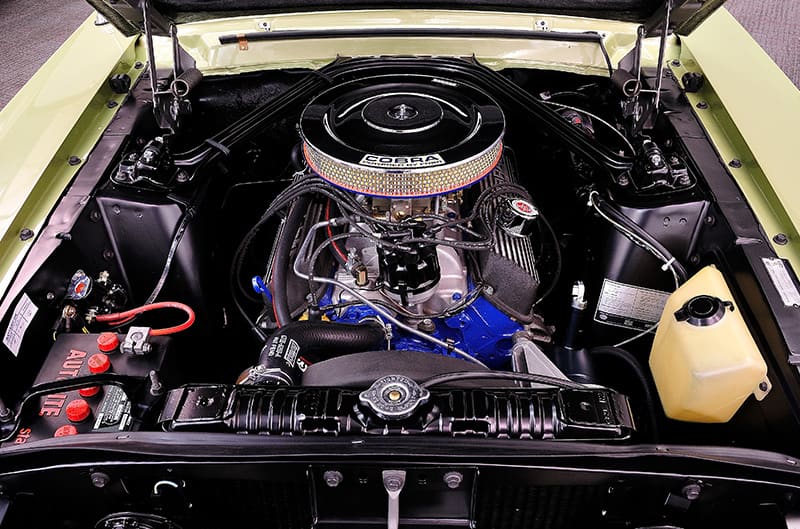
<point x="704" y="360"/>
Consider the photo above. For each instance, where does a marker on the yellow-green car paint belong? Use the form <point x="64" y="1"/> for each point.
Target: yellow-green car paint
<point x="59" y="114"/>
<point x="63" y="110"/>
<point x="201" y="40"/>
<point x="751" y="111"/>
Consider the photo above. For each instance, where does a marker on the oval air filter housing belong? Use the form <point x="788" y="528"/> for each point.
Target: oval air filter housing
<point x="402" y="136"/>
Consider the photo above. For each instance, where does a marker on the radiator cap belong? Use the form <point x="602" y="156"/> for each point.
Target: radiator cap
<point x="394" y="397"/>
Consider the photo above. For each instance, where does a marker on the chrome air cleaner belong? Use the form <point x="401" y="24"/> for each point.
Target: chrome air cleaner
<point x="402" y="136"/>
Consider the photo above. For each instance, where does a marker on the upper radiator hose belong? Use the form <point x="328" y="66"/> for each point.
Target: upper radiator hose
<point x="295" y="345"/>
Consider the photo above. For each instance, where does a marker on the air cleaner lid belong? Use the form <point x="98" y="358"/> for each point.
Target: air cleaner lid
<point x="402" y="136"/>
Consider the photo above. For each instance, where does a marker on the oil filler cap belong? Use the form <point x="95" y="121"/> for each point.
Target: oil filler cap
<point x="78" y="410"/>
<point x="517" y="217"/>
<point x="703" y="311"/>
<point x="394" y="397"/>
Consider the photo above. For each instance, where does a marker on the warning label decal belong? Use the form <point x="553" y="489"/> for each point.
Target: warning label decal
<point x="782" y="281"/>
<point x="629" y="306"/>
<point x="20" y="320"/>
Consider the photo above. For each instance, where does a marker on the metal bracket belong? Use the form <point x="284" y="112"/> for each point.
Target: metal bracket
<point x="662" y="47"/>
<point x="628" y="79"/>
<point x="5" y="505"/>
<point x="393" y="482"/>
<point x="137" y="341"/>
<point x="628" y="76"/>
<point x="129" y="384"/>
<point x="169" y="99"/>
<point x="648" y="119"/>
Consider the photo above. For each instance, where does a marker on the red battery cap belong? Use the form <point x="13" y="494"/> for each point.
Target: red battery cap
<point x="78" y="410"/>
<point x="66" y="430"/>
<point x="89" y="392"/>
<point x="107" y="341"/>
<point x="98" y="363"/>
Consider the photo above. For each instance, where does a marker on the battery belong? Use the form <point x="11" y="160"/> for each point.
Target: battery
<point x="110" y="409"/>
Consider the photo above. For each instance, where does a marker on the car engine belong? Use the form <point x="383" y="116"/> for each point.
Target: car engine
<point x="439" y="239"/>
<point x="385" y="246"/>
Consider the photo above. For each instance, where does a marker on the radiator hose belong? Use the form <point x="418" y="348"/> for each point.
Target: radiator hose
<point x="282" y="265"/>
<point x="297" y="344"/>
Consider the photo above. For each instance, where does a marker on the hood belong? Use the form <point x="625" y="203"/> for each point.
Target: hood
<point x="684" y="15"/>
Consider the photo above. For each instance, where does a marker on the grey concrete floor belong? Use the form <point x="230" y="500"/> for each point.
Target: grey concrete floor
<point x="775" y="24"/>
<point x="28" y="38"/>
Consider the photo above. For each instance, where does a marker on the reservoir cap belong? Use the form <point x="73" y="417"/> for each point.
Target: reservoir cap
<point x="703" y="311"/>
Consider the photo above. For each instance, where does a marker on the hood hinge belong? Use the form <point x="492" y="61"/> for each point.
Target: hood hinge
<point x="641" y="105"/>
<point x="171" y="90"/>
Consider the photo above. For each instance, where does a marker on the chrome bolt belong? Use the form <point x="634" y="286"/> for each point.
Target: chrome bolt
<point x="332" y="478"/>
<point x="427" y="325"/>
<point x="100" y="479"/>
<point x="156" y="388"/>
<point x="453" y="479"/>
<point x="781" y="239"/>
<point x="393" y="483"/>
<point x="691" y="491"/>
<point x="656" y="160"/>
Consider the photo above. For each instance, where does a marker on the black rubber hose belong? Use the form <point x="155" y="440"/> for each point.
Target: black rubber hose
<point x="631" y="361"/>
<point x="324" y="340"/>
<point x="310" y="341"/>
<point x="281" y="265"/>
<point x="630" y="225"/>
<point x="474" y="73"/>
<point x="296" y="155"/>
<point x="446" y="378"/>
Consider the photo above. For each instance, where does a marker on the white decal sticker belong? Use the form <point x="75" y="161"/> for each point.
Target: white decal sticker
<point x="782" y="280"/>
<point x="20" y="320"/>
<point x="402" y="162"/>
<point x="629" y="306"/>
<point x="292" y="349"/>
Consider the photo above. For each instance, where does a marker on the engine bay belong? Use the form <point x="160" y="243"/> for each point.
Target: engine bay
<point x="395" y="246"/>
